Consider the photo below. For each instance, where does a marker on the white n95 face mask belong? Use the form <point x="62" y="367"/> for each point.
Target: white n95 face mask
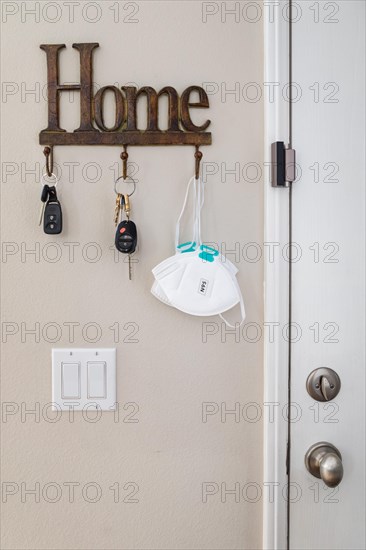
<point x="160" y="271"/>
<point x="197" y="286"/>
<point x="197" y="279"/>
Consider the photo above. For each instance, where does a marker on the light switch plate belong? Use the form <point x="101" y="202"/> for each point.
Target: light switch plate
<point x="84" y="378"/>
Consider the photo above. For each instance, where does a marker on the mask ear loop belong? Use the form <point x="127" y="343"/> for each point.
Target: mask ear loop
<point x="242" y="307"/>
<point x="199" y="195"/>
<point x="198" y="200"/>
<point x="177" y="227"/>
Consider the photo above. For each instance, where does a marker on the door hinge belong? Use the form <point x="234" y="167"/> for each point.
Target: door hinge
<point x="283" y="165"/>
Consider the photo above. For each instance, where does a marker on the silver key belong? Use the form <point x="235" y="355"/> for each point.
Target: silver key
<point x="44" y="198"/>
<point x="43" y="206"/>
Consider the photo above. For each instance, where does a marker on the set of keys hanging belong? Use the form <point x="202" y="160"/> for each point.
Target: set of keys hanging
<point x="51" y="212"/>
<point x="126" y="232"/>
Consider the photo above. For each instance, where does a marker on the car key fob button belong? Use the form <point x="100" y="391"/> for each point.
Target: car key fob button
<point x="126" y="237"/>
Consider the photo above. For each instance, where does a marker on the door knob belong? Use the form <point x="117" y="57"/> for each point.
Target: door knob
<point x="323" y="384"/>
<point x="324" y="461"/>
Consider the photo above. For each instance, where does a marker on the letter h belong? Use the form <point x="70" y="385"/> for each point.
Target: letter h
<point x="85" y="86"/>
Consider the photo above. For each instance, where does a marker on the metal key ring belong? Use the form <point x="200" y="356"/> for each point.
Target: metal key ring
<point x="127" y="178"/>
<point x="44" y="180"/>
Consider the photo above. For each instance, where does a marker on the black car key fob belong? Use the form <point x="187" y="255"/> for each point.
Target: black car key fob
<point x="52" y="219"/>
<point x="126" y="237"/>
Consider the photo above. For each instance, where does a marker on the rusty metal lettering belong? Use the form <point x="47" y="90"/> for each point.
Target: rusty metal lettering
<point x="93" y="130"/>
<point x="98" y="109"/>
<point x="185" y="105"/>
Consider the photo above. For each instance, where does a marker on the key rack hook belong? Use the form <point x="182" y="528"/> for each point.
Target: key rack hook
<point x="198" y="156"/>
<point x="48" y="153"/>
<point x="124" y="157"/>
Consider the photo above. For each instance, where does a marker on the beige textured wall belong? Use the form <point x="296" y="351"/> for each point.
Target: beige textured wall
<point x="169" y="453"/>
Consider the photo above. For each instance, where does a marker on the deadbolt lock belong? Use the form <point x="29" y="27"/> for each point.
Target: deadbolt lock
<point x="323" y="384"/>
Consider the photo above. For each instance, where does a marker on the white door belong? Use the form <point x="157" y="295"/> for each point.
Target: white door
<point x="328" y="306"/>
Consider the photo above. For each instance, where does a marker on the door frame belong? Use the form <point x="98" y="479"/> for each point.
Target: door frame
<point x="276" y="281"/>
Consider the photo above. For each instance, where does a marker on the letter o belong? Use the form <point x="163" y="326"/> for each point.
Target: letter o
<point x="286" y="92"/>
<point x="55" y="407"/>
<point x="85" y="172"/>
<point x="98" y="494"/>
<point x="286" y="412"/>
<point x="286" y="252"/>
<point x="56" y="258"/>
<point x="95" y="408"/>
<point x="98" y="333"/>
<point x="257" y="248"/>
<point x="247" y="486"/>
<point x="257" y="336"/>
<point x="86" y="256"/>
<point x="99" y="110"/>
<point x="45" y="15"/>
<point x="287" y="493"/>
<point x="245" y="93"/>
<point x="245" y="14"/>
<point x="294" y="17"/>
<point x="86" y="16"/>
<point x="245" y="172"/>
<point x="245" y="415"/>
<point x="287" y="331"/>
<point x="57" y="336"/>
<point x="58" y="492"/>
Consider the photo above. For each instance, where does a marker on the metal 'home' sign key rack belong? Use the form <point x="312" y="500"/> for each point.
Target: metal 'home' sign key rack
<point x="93" y="130"/>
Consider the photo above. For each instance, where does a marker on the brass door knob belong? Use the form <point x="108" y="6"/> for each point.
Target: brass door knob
<point x="324" y="461"/>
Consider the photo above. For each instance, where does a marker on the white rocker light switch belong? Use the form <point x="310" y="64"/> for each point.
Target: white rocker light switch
<point x="97" y="372"/>
<point x="70" y="380"/>
<point x="84" y="378"/>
